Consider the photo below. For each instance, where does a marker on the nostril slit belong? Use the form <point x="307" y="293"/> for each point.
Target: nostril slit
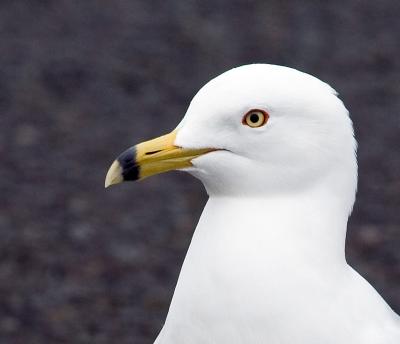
<point x="153" y="152"/>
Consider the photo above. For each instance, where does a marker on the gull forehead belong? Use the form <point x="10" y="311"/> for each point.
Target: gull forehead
<point x="263" y="84"/>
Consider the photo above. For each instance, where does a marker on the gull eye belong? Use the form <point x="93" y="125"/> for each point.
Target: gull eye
<point x="255" y="118"/>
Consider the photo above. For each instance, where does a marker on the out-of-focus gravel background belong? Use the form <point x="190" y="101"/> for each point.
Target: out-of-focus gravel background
<point x="82" y="80"/>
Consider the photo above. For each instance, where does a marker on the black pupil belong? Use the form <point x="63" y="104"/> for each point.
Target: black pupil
<point x="254" y="118"/>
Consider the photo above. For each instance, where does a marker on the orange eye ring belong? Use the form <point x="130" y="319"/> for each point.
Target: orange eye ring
<point x="255" y="118"/>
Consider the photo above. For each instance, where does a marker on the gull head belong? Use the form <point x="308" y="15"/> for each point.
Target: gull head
<point x="255" y="130"/>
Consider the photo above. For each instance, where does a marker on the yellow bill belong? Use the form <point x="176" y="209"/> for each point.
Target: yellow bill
<point x="151" y="157"/>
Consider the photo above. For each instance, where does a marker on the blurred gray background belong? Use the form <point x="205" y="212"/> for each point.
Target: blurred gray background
<point x="80" y="81"/>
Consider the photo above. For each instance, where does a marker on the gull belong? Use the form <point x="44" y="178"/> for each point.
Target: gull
<point x="275" y="150"/>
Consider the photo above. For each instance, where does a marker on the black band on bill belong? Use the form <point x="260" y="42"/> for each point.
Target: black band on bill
<point x="127" y="160"/>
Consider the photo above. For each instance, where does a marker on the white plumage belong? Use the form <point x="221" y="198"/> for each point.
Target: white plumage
<point x="266" y="263"/>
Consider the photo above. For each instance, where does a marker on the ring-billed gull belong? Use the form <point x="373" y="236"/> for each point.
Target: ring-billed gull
<point x="275" y="150"/>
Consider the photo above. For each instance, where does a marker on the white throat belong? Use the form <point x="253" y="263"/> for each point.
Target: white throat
<point x="273" y="247"/>
<point x="306" y="225"/>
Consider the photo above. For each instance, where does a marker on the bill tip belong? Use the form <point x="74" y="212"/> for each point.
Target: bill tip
<point x="114" y="174"/>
